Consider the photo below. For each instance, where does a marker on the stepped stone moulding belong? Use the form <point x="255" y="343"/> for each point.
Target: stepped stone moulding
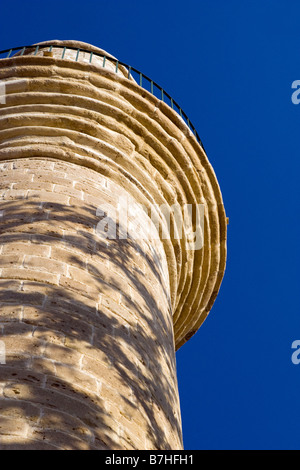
<point x="90" y="324"/>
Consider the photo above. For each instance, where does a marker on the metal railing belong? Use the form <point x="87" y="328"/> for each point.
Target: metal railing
<point x="132" y="73"/>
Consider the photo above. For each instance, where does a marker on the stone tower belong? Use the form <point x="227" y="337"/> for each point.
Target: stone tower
<point x="92" y="304"/>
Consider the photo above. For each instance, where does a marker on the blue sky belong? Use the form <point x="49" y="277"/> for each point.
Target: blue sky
<point x="230" y="65"/>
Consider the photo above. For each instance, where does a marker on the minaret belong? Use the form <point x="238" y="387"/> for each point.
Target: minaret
<point x="104" y="269"/>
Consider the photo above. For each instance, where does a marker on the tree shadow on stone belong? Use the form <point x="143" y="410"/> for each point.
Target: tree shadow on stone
<point x="78" y="370"/>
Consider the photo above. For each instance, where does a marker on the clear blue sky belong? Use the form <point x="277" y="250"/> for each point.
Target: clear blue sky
<point x="230" y="65"/>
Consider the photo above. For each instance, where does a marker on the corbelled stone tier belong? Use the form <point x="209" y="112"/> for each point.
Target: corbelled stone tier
<point x="109" y="123"/>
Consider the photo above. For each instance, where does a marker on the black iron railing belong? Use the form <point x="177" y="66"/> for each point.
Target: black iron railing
<point x="132" y="73"/>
